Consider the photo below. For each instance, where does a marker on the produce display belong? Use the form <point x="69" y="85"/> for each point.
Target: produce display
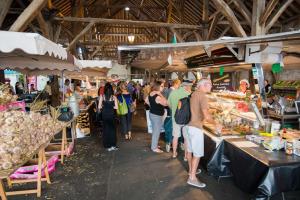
<point x="232" y="95"/>
<point x="21" y="134"/>
<point x="5" y="95"/>
<point x="286" y="84"/>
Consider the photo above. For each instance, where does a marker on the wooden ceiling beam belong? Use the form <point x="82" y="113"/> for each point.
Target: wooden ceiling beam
<point x="170" y="9"/>
<point x="4" y="8"/>
<point x="57" y="33"/>
<point x="257" y="10"/>
<point x="128" y="22"/>
<point x="139" y="12"/>
<point x="276" y="16"/>
<point x="218" y="11"/>
<point x="28" y="15"/>
<point x="226" y="10"/>
<point x="212" y="28"/>
<point x="43" y="25"/>
<point x="205" y="18"/>
<point x="108" y="9"/>
<point x="84" y="31"/>
<point x="224" y="31"/>
<point x="243" y="10"/>
<point x="268" y="10"/>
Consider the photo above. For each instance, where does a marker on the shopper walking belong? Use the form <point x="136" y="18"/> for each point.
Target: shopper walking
<point x="126" y="118"/>
<point x="195" y="138"/>
<point x="157" y="103"/>
<point x="107" y="106"/>
<point x="175" y="96"/>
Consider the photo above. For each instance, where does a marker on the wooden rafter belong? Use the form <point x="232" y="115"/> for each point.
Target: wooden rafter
<point x="43" y="25"/>
<point x="127" y="22"/>
<point x="257" y="10"/>
<point x="268" y="10"/>
<point x="225" y="31"/>
<point x="139" y="12"/>
<point x="108" y="9"/>
<point x="276" y="16"/>
<point x="170" y="10"/>
<point x="57" y="33"/>
<point x="226" y="10"/>
<point x="84" y="31"/>
<point x="212" y="27"/>
<point x="28" y="15"/>
<point x="218" y="11"/>
<point x="205" y="18"/>
<point x="243" y="10"/>
<point x="4" y="8"/>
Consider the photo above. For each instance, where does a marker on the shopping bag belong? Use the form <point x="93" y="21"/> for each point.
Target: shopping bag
<point x="122" y="107"/>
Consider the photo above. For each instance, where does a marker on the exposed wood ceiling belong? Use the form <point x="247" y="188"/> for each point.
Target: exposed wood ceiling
<point x="161" y="20"/>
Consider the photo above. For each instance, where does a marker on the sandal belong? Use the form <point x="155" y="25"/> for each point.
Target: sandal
<point x="129" y="135"/>
<point x="126" y="137"/>
<point x="157" y="151"/>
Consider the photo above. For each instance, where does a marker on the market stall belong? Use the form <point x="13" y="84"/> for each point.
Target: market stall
<point x="255" y="145"/>
<point x="29" y="134"/>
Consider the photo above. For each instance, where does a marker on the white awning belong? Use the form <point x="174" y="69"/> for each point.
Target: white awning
<point x="31" y="51"/>
<point x="30" y="44"/>
<point x="96" y="63"/>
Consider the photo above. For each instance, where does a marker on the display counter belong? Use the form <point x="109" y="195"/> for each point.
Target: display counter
<point x="255" y="170"/>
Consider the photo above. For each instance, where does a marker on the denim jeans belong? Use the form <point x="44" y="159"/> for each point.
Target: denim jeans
<point x="157" y="122"/>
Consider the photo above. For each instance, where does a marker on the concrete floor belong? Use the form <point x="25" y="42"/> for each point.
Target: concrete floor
<point x="132" y="172"/>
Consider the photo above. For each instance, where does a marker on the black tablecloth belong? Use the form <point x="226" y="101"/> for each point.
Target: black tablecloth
<point x="254" y="170"/>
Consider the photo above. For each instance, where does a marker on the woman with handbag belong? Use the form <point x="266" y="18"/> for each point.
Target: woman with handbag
<point x="157" y="104"/>
<point x="107" y="106"/>
<point x="126" y="106"/>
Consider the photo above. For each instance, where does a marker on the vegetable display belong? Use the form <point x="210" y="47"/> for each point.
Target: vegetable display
<point x="21" y="134"/>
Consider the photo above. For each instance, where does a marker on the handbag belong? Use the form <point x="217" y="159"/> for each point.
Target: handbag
<point x="122" y="107"/>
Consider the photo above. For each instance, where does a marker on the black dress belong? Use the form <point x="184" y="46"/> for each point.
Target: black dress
<point x="109" y="124"/>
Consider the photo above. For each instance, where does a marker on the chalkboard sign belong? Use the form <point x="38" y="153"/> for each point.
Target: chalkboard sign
<point x="223" y="82"/>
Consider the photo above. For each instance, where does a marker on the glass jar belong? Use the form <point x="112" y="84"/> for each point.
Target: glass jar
<point x="289" y="147"/>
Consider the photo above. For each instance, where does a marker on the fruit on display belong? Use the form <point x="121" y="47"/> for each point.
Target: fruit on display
<point x="287" y="84"/>
<point x="242" y="106"/>
<point x="21" y="134"/>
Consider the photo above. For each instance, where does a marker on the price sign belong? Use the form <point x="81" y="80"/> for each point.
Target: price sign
<point x="221" y="82"/>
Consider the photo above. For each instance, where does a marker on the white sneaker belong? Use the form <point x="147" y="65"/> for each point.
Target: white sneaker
<point x="115" y="148"/>
<point x="110" y="149"/>
<point x="196" y="183"/>
<point x="168" y="147"/>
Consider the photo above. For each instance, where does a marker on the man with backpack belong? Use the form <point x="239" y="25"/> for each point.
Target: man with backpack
<point x="195" y="138"/>
<point x="174" y="98"/>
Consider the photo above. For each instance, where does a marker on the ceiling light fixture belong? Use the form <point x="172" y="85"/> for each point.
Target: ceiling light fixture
<point x="127" y="8"/>
<point x="131" y="38"/>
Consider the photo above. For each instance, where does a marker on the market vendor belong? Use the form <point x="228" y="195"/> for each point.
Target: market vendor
<point x="244" y="85"/>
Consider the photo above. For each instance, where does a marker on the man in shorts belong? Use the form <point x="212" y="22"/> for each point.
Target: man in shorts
<point x="175" y="96"/>
<point x="195" y="138"/>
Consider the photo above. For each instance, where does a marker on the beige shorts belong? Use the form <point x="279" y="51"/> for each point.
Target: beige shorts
<point x="176" y="129"/>
<point x="195" y="141"/>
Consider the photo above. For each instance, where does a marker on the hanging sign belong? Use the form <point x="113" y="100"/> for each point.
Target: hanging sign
<point x="221" y="82"/>
<point x="221" y="71"/>
<point x="276" y="68"/>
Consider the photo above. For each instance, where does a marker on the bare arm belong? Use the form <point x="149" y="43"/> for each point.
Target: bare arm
<point x="116" y="103"/>
<point x="147" y="101"/>
<point x="100" y="102"/>
<point x="161" y="100"/>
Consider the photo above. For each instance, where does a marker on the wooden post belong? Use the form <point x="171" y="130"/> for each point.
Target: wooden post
<point x="46" y="167"/>
<point x="4" y="7"/>
<point x="28" y="15"/>
<point x="39" y="178"/>
<point x="2" y="191"/>
<point x="256" y="27"/>
<point x="63" y="145"/>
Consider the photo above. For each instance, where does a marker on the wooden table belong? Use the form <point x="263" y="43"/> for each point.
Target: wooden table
<point x="63" y="142"/>
<point x="42" y="163"/>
